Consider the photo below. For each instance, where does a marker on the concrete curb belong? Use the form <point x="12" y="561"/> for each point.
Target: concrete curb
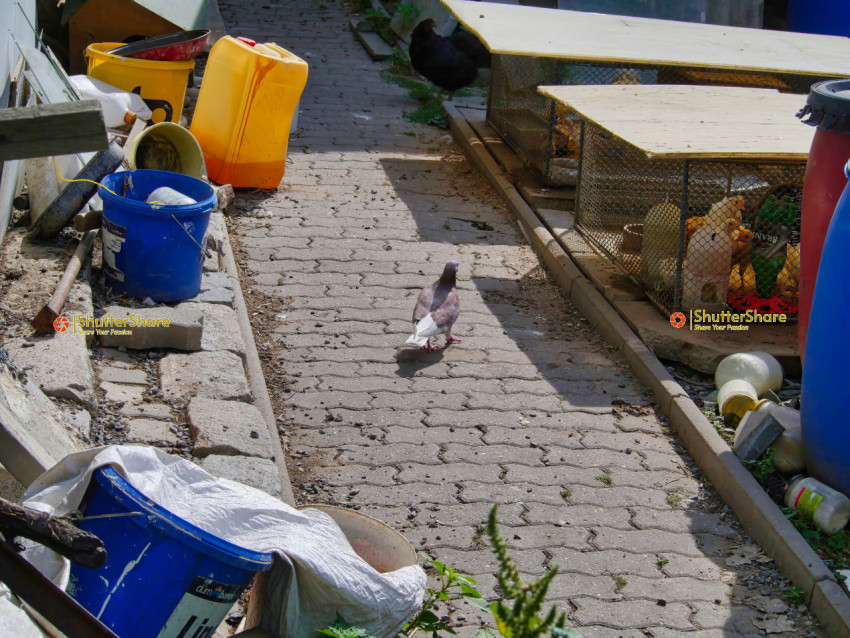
<point x="256" y="380"/>
<point x="760" y="516"/>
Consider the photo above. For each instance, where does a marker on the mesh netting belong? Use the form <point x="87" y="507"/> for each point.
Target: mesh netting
<point x="547" y="137"/>
<point x="695" y="234"/>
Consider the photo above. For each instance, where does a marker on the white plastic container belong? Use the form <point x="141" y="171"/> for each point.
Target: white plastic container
<point x="789" y="451"/>
<point x="761" y="369"/>
<point x="119" y="107"/>
<point x="736" y="398"/>
<point x="827" y="508"/>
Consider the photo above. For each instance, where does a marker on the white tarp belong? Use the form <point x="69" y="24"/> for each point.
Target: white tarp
<point x="326" y="576"/>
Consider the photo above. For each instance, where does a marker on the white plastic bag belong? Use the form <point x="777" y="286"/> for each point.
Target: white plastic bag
<point x="115" y="102"/>
<point x="326" y="578"/>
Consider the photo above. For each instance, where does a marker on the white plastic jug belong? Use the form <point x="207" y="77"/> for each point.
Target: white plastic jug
<point x="119" y="106"/>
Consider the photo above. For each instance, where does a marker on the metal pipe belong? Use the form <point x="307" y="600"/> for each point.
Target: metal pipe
<point x="680" y="257"/>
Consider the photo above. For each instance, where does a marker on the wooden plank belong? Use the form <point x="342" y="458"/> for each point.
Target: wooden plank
<point x="694" y="121"/>
<point x="575" y="35"/>
<point x="373" y="43"/>
<point x="51" y="129"/>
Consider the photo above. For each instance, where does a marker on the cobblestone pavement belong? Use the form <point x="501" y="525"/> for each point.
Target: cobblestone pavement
<point x="531" y="410"/>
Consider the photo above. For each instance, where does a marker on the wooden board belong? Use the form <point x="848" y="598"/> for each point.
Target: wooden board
<point x="51" y="129"/>
<point x="372" y="42"/>
<point x="575" y="35"/>
<point x="694" y="121"/>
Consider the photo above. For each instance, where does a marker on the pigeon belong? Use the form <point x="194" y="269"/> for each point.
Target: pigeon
<point x="436" y="310"/>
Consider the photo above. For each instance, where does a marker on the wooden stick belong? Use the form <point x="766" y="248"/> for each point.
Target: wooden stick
<point x="55" y="532"/>
<point x="46" y="599"/>
<point x="43" y="322"/>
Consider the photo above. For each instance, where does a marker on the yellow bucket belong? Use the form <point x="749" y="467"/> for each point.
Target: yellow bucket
<point x="162" y="85"/>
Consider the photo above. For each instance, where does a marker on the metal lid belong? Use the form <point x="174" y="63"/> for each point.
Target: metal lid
<point x="828" y="106"/>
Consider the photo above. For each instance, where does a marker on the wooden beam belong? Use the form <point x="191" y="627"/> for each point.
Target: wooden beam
<point x="51" y="129"/>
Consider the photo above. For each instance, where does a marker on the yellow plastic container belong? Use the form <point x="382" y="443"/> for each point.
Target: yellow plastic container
<point x="245" y="109"/>
<point x="162" y="85"/>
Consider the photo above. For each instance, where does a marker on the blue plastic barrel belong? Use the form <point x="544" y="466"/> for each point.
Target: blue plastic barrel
<point x="826" y="17"/>
<point x="826" y="376"/>
<point x="163" y="577"/>
<point x="154" y="250"/>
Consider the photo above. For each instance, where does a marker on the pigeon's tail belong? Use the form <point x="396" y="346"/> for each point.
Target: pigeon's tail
<point x="424" y="330"/>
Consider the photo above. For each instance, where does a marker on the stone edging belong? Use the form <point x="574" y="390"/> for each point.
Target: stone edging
<point x="760" y="516"/>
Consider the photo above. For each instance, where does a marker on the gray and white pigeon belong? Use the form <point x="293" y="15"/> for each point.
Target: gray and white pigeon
<point x="436" y="310"/>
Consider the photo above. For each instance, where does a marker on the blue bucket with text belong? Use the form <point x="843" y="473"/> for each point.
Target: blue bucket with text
<point x="163" y="577"/>
<point x="154" y="250"/>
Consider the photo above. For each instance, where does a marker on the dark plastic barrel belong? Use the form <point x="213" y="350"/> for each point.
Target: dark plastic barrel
<point x="154" y="250"/>
<point x="824" y="416"/>
<point x="828" y="108"/>
<point x="163" y="576"/>
<point x="825" y="17"/>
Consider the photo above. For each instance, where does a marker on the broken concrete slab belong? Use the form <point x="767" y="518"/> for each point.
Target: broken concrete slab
<point x="131" y="376"/>
<point x="122" y="393"/>
<point x="10" y="488"/>
<point x="150" y="431"/>
<point x="58" y="364"/>
<point x="756" y="432"/>
<point x="219" y="375"/>
<point x="34" y="435"/>
<point x="158" y="411"/>
<point x="159" y="327"/>
<point x="228" y="427"/>
<point x="221" y="328"/>
<point x="259" y="473"/>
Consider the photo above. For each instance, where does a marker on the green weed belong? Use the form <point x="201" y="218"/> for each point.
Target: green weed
<point x="761" y="467"/>
<point x="566" y="493"/>
<point x="619" y="582"/>
<point x="674" y="500"/>
<point x="795" y="596"/>
<point x="605" y="478"/>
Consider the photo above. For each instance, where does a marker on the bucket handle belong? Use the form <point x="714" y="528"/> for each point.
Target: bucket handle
<point x="203" y="252"/>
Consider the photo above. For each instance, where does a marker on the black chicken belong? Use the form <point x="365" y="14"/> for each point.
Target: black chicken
<point x="451" y="63"/>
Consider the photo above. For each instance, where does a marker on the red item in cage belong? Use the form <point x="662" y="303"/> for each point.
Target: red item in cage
<point x="772" y="305"/>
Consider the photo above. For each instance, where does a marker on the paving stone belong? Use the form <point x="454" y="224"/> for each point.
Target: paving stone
<point x="389" y="454"/>
<point x="451" y="472"/>
<point x="581" y="515"/>
<point x="160" y="327"/>
<point x="221" y="328"/>
<point x="598" y="562"/>
<point x="256" y="472"/>
<point x="695" y="567"/>
<point x="115" y="374"/>
<point x="122" y="393"/>
<point x="147" y="410"/>
<point x="647" y="541"/>
<point x="228" y="427"/>
<point x="350" y="475"/>
<point x="150" y="432"/>
<point x="60" y="365"/>
<point x="678" y="521"/>
<point x="676" y="589"/>
<point x="219" y="375"/>
<point x="631" y="614"/>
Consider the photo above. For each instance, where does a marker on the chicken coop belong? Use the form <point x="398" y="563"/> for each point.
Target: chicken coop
<point x="533" y="47"/>
<point x="548" y="138"/>
<point x="694" y="191"/>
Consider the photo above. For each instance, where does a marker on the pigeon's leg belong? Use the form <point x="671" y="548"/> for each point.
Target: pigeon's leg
<point x="428" y="347"/>
<point x="451" y="339"/>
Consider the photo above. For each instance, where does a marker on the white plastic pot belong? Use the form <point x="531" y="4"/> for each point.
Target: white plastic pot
<point x="761" y="369"/>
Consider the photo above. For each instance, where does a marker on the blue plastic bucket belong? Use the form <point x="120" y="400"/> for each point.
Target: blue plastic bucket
<point x="163" y="576"/>
<point x="823" y="404"/>
<point x="825" y="17"/>
<point x="154" y="250"/>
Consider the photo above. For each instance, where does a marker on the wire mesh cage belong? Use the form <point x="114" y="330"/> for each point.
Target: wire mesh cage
<point x="707" y="235"/>
<point x="547" y="137"/>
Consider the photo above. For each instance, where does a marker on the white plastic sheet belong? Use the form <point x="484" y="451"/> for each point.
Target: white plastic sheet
<point x="326" y="576"/>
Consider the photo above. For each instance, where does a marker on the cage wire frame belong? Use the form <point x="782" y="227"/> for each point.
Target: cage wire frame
<point x="693" y="233"/>
<point x="546" y="136"/>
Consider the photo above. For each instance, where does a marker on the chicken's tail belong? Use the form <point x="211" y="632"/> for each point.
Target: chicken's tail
<point x="424" y="330"/>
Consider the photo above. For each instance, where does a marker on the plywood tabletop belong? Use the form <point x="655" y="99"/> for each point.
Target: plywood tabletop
<point x="575" y="35"/>
<point x="694" y="121"/>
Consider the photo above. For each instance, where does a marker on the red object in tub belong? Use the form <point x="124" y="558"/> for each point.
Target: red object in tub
<point x="167" y="48"/>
